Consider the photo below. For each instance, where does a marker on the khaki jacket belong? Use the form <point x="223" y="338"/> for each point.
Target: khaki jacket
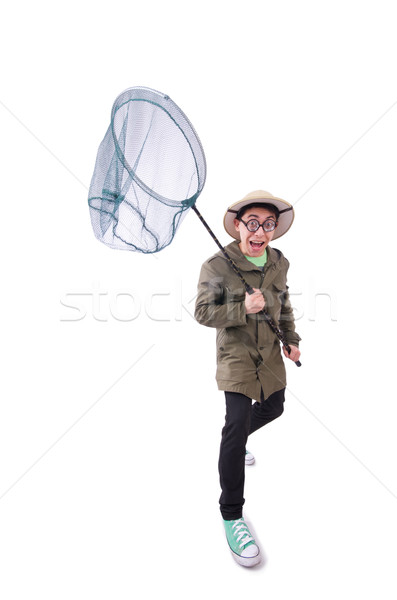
<point x="249" y="357"/>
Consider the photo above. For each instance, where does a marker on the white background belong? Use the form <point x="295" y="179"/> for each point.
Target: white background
<point x="110" y="417"/>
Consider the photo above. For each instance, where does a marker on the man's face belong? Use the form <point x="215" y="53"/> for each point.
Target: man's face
<point x="254" y="243"/>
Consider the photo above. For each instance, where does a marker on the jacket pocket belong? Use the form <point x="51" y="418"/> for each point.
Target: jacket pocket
<point x="220" y="339"/>
<point x="274" y="296"/>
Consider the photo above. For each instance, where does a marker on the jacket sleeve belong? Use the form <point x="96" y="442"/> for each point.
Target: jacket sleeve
<point x="215" y="306"/>
<point x="287" y="319"/>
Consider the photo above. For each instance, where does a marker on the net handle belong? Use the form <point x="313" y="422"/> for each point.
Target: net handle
<point x="276" y="330"/>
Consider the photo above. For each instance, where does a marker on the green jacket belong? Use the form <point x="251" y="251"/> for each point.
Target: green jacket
<point x="248" y="352"/>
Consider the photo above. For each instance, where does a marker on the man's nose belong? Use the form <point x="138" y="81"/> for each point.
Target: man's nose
<point x="260" y="232"/>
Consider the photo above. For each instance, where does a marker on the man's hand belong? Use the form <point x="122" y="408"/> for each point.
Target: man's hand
<point x="254" y="302"/>
<point x="295" y="353"/>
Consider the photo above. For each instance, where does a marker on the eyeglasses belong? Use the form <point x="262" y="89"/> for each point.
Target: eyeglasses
<point x="253" y="225"/>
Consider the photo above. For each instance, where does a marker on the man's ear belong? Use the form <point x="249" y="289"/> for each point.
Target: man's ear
<point x="236" y="224"/>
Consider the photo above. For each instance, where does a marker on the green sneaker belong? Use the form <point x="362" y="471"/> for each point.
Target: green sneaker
<point x="241" y="543"/>
<point x="249" y="458"/>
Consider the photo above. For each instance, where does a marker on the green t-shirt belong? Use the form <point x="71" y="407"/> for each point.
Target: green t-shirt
<point x="258" y="261"/>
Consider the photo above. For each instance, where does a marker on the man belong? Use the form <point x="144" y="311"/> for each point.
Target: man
<point x="249" y="361"/>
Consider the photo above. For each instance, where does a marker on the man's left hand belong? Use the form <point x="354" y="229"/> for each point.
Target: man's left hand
<point x="295" y="353"/>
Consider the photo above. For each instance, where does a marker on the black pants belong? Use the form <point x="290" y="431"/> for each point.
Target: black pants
<point x="242" y="418"/>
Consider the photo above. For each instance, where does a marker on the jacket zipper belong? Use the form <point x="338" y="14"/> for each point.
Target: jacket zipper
<point x="257" y="320"/>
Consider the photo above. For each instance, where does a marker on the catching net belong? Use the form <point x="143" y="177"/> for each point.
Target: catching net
<point x="149" y="171"/>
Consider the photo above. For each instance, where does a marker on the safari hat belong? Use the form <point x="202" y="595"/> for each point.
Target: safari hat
<point x="260" y="197"/>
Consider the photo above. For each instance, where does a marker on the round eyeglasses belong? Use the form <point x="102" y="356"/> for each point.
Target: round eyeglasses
<point x="253" y="225"/>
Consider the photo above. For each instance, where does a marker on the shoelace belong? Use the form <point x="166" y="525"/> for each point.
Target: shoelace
<point x="242" y="533"/>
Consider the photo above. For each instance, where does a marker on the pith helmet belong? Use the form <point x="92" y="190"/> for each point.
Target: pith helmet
<point x="260" y="197"/>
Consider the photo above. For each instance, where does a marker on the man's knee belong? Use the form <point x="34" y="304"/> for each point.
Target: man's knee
<point x="275" y="403"/>
<point x="279" y="409"/>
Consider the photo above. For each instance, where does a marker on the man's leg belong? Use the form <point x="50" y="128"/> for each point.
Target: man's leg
<point x="267" y="410"/>
<point x="232" y="454"/>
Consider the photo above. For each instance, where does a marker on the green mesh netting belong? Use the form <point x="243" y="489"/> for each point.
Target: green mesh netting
<point x="149" y="171"/>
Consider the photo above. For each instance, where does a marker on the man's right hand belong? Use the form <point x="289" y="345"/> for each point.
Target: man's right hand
<point x="255" y="302"/>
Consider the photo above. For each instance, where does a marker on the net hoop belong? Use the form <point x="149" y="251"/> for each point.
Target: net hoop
<point x="164" y="103"/>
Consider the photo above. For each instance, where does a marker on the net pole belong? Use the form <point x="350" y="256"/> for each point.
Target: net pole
<point x="276" y="330"/>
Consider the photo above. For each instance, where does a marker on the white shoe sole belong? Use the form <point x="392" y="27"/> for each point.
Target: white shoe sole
<point x="246" y="561"/>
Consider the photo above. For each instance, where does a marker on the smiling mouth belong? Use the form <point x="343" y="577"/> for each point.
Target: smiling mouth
<point x="256" y="245"/>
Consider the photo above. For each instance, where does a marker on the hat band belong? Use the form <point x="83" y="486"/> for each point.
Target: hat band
<point x="280" y="212"/>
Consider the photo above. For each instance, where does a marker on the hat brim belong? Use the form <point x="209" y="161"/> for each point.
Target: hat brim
<point x="285" y="220"/>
